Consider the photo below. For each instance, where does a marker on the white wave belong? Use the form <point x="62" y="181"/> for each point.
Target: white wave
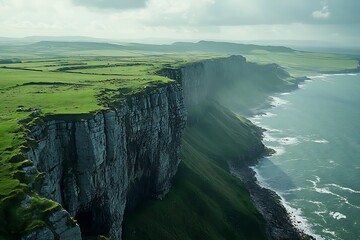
<point x="269" y="129"/>
<point x="328" y="231"/>
<point x="326" y="190"/>
<point x="317" y="76"/>
<point x="269" y="114"/>
<point x="263" y="115"/>
<point x="286" y="93"/>
<point x="278" y="150"/>
<point x="273" y="130"/>
<point x="311" y="138"/>
<point x="320" y="141"/>
<point x="322" y="76"/>
<point x="343" y="188"/>
<point x="295" y="214"/>
<point x="319" y="204"/>
<point x="321" y="214"/>
<point x="342" y="74"/>
<point x="290" y="160"/>
<point x="260" y="180"/>
<point x="298" y="220"/>
<point x="337" y="215"/>
<point x="268" y="138"/>
<point x="291" y="191"/>
<point x="276" y="101"/>
<point x="302" y="86"/>
<point x="288" y="141"/>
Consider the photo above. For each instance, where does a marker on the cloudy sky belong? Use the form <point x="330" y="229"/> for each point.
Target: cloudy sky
<point x="335" y="21"/>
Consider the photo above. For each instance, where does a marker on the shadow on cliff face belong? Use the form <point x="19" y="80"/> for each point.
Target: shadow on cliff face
<point x="93" y="221"/>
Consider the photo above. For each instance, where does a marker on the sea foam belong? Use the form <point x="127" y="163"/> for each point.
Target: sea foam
<point x="337" y="215"/>
<point x="276" y="102"/>
<point x="295" y="214"/>
<point x="288" y="141"/>
<point x="346" y="189"/>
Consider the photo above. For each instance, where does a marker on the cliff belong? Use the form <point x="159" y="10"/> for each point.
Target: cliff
<point x="232" y="81"/>
<point x="98" y="167"/>
<point x="206" y="200"/>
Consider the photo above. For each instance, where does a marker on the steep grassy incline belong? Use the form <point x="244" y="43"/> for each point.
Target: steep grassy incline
<point x="205" y="202"/>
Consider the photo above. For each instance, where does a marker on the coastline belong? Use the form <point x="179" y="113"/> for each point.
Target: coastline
<point x="268" y="203"/>
<point x="278" y="220"/>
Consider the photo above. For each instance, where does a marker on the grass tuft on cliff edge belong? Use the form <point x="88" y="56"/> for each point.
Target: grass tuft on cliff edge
<point x="205" y="201"/>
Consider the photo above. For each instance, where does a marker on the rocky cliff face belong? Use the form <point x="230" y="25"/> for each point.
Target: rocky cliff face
<point x="202" y="79"/>
<point x="99" y="167"/>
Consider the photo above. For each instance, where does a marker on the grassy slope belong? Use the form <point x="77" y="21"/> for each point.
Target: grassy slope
<point x="44" y="84"/>
<point x="205" y="201"/>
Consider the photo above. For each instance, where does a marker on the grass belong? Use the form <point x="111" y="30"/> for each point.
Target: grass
<point x="67" y="83"/>
<point x="304" y="63"/>
<point x="205" y="201"/>
<point x="65" y="92"/>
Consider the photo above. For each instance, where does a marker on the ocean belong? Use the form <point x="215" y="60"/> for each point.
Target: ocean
<point x="315" y="131"/>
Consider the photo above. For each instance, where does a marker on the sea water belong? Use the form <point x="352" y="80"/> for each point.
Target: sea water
<point x="315" y="131"/>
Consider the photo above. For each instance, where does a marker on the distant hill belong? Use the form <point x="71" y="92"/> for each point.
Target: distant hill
<point x="226" y="47"/>
<point x="202" y="46"/>
<point x="76" y="45"/>
<point x="208" y="46"/>
<point x="63" y="47"/>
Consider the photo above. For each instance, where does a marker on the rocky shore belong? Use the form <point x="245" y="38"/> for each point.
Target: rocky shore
<point x="279" y="224"/>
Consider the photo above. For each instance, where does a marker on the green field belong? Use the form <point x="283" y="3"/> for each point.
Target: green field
<point x="76" y="80"/>
<point x="305" y="63"/>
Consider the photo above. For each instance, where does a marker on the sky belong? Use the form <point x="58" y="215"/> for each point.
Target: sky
<point x="335" y="21"/>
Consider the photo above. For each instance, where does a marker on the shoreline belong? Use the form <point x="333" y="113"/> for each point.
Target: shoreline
<point x="278" y="221"/>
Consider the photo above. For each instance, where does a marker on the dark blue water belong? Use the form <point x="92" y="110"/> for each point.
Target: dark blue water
<point x="316" y="170"/>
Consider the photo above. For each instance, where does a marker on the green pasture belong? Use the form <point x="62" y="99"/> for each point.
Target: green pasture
<point x="304" y="63"/>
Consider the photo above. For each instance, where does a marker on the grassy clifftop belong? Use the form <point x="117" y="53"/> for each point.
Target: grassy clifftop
<point x="66" y="88"/>
<point x="205" y="202"/>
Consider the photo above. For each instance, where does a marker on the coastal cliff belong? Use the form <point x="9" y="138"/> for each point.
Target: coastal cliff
<point x="98" y="167"/>
<point x="232" y="81"/>
<point x="207" y="198"/>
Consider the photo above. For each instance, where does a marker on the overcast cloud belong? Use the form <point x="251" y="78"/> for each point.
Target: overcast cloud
<point x="233" y="20"/>
<point x="112" y="4"/>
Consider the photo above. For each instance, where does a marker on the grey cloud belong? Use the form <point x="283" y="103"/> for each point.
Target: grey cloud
<point x="112" y="4"/>
<point x="283" y="12"/>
